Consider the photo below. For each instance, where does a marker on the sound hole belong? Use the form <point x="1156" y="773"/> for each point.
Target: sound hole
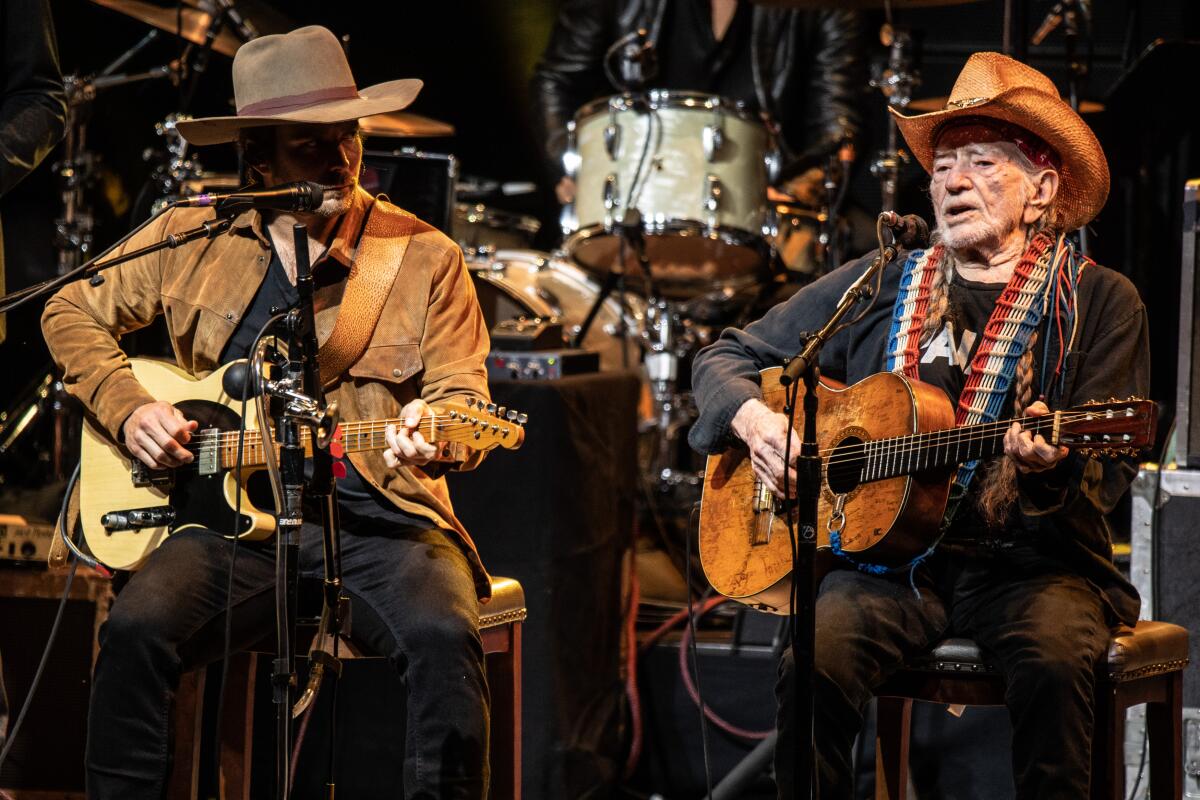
<point x="844" y="466"/>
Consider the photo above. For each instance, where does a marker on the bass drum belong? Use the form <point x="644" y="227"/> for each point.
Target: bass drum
<point x="529" y="283"/>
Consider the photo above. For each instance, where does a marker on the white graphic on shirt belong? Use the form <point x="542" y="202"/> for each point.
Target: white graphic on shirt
<point x="942" y="346"/>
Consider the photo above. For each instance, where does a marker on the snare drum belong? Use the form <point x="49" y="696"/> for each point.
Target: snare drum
<point x="528" y="283"/>
<point x="696" y="166"/>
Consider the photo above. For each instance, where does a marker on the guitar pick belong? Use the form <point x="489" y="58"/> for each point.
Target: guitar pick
<point x="339" y="469"/>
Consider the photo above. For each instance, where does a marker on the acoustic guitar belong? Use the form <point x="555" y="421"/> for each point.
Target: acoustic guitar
<point x="127" y="509"/>
<point x="889" y="450"/>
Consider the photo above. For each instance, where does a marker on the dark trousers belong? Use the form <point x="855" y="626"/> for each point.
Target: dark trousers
<point x="412" y="600"/>
<point x="1045" y="626"/>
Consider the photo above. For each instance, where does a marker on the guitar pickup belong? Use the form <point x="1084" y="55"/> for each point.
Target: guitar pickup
<point x="133" y="519"/>
<point x="143" y="477"/>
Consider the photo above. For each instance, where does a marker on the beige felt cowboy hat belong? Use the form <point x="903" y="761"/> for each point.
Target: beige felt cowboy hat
<point x="996" y="86"/>
<point x="300" y="76"/>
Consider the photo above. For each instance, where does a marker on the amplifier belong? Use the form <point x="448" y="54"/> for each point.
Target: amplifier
<point x="1187" y="379"/>
<point x="1164" y="562"/>
<point x="46" y="760"/>
<point x="22" y="541"/>
<point x="524" y="365"/>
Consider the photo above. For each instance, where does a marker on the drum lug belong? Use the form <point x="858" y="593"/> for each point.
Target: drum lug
<point x="612" y="200"/>
<point x="774" y="166"/>
<point x="712" y="195"/>
<point x="612" y="134"/>
<point x="713" y="137"/>
<point x="570" y="156"/>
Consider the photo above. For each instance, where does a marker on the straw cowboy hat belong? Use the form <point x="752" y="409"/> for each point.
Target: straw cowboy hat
<point x="995" y="86"/>
<point x="300" y="76"/>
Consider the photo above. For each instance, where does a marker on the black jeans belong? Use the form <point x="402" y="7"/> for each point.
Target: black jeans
<point x="1045" y="625"/>
<point x="412" y="600"/>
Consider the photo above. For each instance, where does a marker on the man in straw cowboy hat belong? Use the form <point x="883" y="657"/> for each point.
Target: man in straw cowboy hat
<point x="411" y="571"/>
<point x="1005" y="316"/>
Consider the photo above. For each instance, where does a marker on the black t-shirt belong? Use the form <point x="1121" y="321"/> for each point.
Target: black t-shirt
<point x="691" y="59"/>
<point x="946" y="357"/>
<point x="275" y="295"/>
<point x="945" y="363"/>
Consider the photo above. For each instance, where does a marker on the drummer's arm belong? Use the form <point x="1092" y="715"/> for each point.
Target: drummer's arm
<point x="570" y="72"/>
<point x="835" y="41"/>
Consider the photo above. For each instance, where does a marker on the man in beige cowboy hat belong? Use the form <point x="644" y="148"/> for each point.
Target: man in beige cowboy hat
<point x="411" y="571"/>
<point x="1005" y="317"/>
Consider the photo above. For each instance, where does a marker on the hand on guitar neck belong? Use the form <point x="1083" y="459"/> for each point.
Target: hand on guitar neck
<point x="765" y="433"/>
<point x="1029" y="452"/>
<point x="406" y="446"/>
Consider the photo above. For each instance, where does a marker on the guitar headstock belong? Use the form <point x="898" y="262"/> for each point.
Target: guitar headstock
<point x="480" y="426"/>
<point x="1117" y="426"/>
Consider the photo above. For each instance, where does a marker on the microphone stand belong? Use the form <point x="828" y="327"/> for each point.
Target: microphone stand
<point x="804" y="367"/>
<point x="324" y="488"/>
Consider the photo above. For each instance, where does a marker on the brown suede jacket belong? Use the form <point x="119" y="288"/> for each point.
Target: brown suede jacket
<point x="430" y="342"/>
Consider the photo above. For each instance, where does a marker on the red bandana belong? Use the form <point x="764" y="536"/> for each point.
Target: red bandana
<point x="974" y="130"/>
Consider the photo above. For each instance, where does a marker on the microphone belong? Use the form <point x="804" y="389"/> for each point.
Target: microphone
<point x="300" y="196"/>
<point x="909" y="231"/>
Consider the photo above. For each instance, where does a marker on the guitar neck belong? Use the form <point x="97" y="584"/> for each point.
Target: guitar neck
<point x="903" y="455"/>
<point x="356" y="437"/>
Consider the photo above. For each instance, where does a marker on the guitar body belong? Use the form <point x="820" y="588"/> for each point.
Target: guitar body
<point x="744" y="544"/>
<point x="207" y="501"/>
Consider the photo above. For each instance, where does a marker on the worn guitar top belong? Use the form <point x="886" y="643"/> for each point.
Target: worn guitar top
<point x="1063" y="508"/>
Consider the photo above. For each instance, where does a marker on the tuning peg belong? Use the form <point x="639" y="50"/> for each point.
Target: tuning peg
<point x="470" y="402"/>
<point x="522" y="419"/>
<point x="501" y="411"/>
<point x="491" y="408"/>
<point x="511" y="416"/>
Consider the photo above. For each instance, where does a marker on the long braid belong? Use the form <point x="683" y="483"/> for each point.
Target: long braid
<point x="998" y="490"/>
<point x="939" y="299"/>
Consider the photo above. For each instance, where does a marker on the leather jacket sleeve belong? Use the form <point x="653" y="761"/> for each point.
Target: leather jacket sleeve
<point x="33" y="105"/>
<point x="833" y="81"/>
<point x="570" y="72"/>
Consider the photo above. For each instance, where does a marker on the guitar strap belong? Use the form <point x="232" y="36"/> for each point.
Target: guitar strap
<point x="378" y="257"/>
<point x="1018" y="313"/>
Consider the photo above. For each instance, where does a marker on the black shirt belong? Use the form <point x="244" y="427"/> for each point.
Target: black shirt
<point x="946" y="357"/>
<point x="275" y="295"/>
<point x="691" y="59"/>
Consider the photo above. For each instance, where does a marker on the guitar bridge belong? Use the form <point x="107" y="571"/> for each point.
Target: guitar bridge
<point x="763" y="507"/>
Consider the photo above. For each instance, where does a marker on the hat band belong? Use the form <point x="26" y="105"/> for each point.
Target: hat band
<point x="297" y="102"/>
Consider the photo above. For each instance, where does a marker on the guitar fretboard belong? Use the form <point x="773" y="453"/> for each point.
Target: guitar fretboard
<point x="356" y="437"/>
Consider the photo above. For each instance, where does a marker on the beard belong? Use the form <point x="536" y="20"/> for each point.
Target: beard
<point x="336" y="201"/>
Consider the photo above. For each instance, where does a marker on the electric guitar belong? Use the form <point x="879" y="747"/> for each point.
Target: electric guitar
<point x="127" y="509"/>
<point x="889" y="450"/>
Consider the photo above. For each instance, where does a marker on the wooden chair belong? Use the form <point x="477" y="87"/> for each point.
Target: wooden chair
<point x="500" y="629"/>
<point x="1144" y="664"/>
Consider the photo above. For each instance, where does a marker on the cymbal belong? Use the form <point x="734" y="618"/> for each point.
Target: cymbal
<point x="257" y="13"/>
<point x="926" y="104"/>
<point x="858" y="4"/>
<point x="189" y="23"/>
<point x="404" y="124"/>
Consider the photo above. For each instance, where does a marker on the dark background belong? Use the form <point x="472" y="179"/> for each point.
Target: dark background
<point x="476" y="57"/>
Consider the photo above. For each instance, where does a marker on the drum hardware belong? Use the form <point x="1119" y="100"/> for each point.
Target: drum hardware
<point x="1068" y="14"/>
<point x="897" y="81"/>
<point x="666" y="338"/>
